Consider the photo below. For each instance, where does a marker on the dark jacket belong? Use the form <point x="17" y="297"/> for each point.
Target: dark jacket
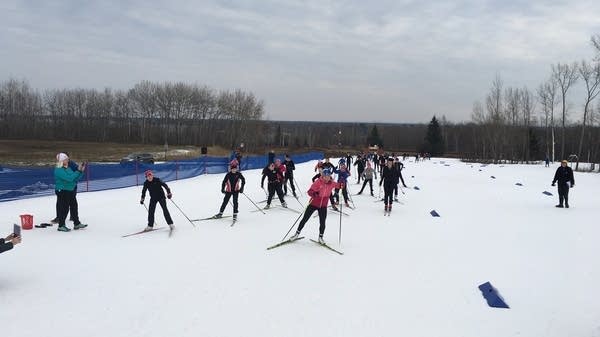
<point x="289" y="168"/>
<point x="389" y="176"/>
<point x="231" y="182"/>
<point x="564" y="175"/>
<point x="360" y="165"/>
<point x="155" y="187"/>
<point x="274" y="176"/>
<point x="328" y="164"/>
<point x="4" y="246"/>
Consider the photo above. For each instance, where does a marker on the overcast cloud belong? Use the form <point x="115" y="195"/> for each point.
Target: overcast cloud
<point x="384" y="61"/>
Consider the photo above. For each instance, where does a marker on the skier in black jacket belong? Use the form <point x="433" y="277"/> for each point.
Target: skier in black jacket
<point x="232" y="185"/>
<point x="157" y="195"/>
<point x="398" y="165"/>
<point x="564" y="175"/>
<point x="360" y="167"/>
<point x="274" y="181"/>
<point x="289" y="175"/>
<point x="389" y="179"/>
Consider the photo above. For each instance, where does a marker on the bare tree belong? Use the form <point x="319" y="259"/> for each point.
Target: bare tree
<point x="566" y="75"/>
<point x="548" y="99"/>
<point x="591" y="77"/>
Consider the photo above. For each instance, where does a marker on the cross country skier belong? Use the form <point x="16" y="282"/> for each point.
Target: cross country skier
<point x="389" y="179"/>
<point x="289" y="175"/>
<point x="360" y="167"/>
<point x="398" y="166"/>
<point x="328" y="164"/>
<point x="319" y="192"/>
<point x="157" y="195"/>
<point x="231" y="187"/>
<point x="381" y="163"/>
<point x="343" y="175"/>
<point x="368" y="175"/>
<point x="65" y="181"/>
<point x="275" y="178"/>
<point x="564" y="175"/>
<point x="319" y="170"/>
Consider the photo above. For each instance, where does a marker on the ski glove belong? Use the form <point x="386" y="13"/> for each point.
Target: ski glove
<point x="572" y="185"/>
<point x="553" y="184"/>
<point x="223" y="191"/>
<point x="169" y="195"/>
<point x="142" y="201"/>
<point x="241" y="190"/>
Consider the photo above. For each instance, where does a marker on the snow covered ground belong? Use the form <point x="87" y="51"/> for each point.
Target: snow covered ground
<point x="406" y="275"/>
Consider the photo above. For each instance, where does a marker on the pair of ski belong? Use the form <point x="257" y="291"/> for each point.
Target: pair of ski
<point x="234" y="220"/>
<point x="148" y="231"/>
<point x="324" y="245"/>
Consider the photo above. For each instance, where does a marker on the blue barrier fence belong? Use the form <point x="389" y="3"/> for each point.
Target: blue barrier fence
<point x="20" y="182"/>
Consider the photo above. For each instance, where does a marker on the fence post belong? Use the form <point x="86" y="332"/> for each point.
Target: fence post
<point x="87" y="178"/>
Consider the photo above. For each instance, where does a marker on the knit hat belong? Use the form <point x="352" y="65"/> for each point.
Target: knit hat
<point x="148" y="173"/>
<point x="327" y="171"/>
<point x="564" y="161"/>
<point x="61" y="157"/>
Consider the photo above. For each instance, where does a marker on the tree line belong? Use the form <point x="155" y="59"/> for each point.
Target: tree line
<point x="509" y="126"/>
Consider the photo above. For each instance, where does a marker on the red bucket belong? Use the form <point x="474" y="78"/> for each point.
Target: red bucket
<point x="26" y="221"/>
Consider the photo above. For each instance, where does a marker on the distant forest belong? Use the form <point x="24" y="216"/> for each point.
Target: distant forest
<point x="504" y="129"/>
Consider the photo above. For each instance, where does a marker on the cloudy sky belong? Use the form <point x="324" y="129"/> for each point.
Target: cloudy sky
<point x="383" y="61"/>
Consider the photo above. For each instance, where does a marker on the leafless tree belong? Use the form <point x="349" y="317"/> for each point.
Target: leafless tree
<point x="591" y="77"/>
<point x="565" y="75"/>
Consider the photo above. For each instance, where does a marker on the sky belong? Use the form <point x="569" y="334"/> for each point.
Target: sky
<point x="393" y="61"/>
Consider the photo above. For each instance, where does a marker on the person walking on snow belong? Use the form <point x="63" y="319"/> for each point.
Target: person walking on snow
<point x="274" y="180"/>
<point x="157" y="195"/>
<point x="65" y="181"/>
<point x="389" y="179"/>
<point x="319" y="192"/>
<point x="564" y="176"/>
<point x="360" y="167"/>
<point x="232" y="186"/>
<point x="343" y="175"/>
<point x="289" y="175"/>
<point x="368" y="175"/>
<point x="398" y="166"/>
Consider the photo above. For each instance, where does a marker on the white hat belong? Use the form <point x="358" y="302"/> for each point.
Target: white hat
<point x="61" y="157"/>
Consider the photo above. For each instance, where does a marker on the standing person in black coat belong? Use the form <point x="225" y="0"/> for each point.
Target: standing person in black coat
<point x="360" y="167"/>
<point x="389" y="179"/>
<point x="398" y="166"/>
<point x="564" y="176"/>
<point x="348" y="159"/>
<point x="271" y="157"/>
<point x="232" y="185"/>
<point x="289" y="175"/>
<point x="157" y="195"/>
<point x="274" y="180"/>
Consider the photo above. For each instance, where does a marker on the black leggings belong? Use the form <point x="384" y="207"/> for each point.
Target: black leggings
<point x="388" y="194"/>
<point x="152" y="208"/>
<point x="67" y="200"/>
<point x="322" y="217"/>
<point x="563" y="194"/>
<point x="226" y="200"/>
<point x="290" y="178"/>
<point x="370" y="181"/>
<point x="275" y="187"/>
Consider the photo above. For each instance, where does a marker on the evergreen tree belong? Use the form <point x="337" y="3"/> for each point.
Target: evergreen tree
<point x="374" y="138"/>
<point x="434" y="142"/>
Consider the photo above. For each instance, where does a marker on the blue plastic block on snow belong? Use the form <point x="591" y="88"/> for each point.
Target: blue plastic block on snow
<point x="416" y="188"/>
<point x="434" y="213"/>
<point x="547" y="193"/>
<point x="492" y="296"/>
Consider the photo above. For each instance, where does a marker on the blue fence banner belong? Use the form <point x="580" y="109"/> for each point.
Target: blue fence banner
<point x="28" y="182"/>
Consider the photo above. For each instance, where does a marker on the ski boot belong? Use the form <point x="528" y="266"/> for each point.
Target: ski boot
<point x="268" y="206"/>
<point x="559" y="206"/>
<point x="148" y="228"/>
<point x="347" y="204"/>
<point x="334" y="206"/>
<point x="218" y="215"/>
<point x="566" y="205"/>
<point x="284" y="205"/>
<point x="55" y="220"/>
<point x="234" y="216"/>
<point x="396" y="198"/>
<point x="171" y="226"/>
<point x="63" y="229"/>
<point x="79" y="226"/>
<point x="295" y="236"/>
<point x="321" y="241"/>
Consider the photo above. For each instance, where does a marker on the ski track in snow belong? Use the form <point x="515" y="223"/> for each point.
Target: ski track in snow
<point x="409" y="274"/>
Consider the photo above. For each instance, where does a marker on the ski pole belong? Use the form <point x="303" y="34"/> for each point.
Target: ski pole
<point x="350" y="196"/>
<point x="294" y="224"/>
<point x="255" y="205"/>
<point x="340" y="231"/>
<point x="147" y="210"/>
<point x="182" y="212"/>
